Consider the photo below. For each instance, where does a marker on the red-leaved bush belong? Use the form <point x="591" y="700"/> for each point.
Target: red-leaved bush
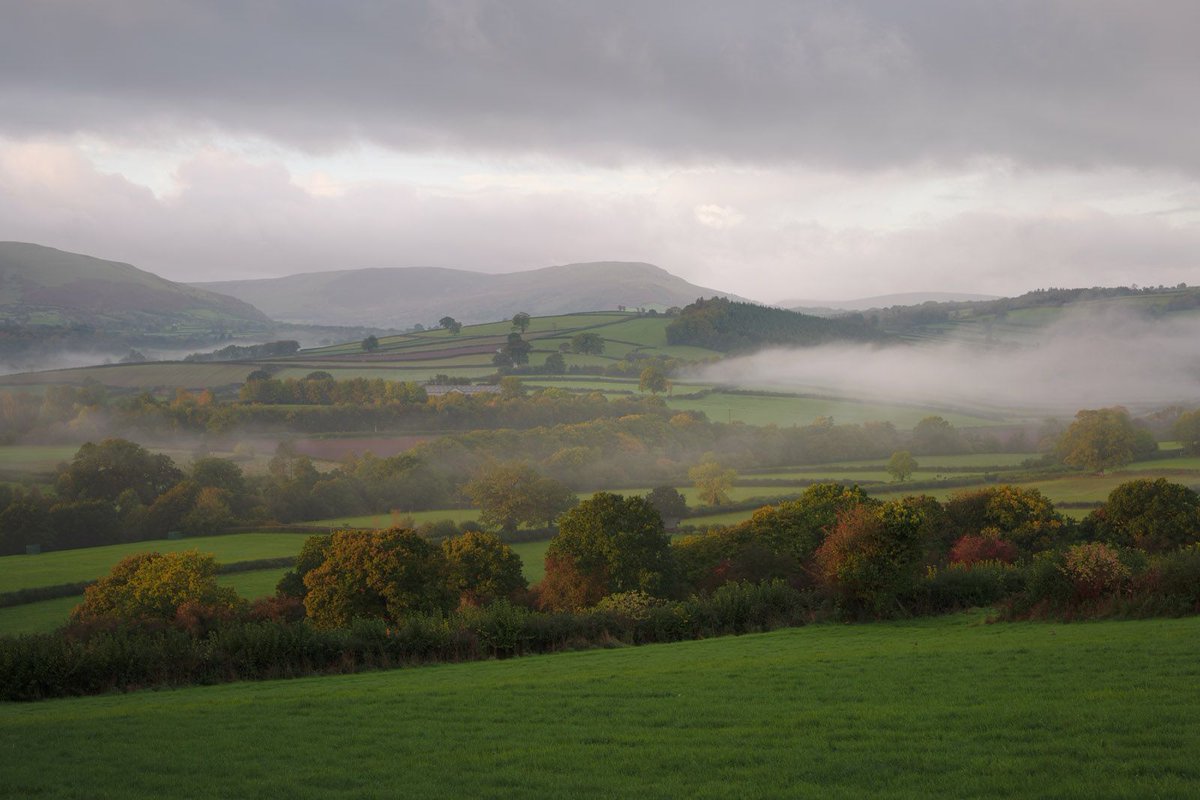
<point x="971" y="549"/>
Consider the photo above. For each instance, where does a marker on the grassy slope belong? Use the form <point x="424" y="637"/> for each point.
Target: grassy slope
<point x="945" y="707"/>
<point x="71" y="566"/>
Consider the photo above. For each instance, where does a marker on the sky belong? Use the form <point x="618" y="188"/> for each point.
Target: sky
<point x="776" y="150"/>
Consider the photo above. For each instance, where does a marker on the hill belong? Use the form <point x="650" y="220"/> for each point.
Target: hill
<point x="62" y="309"/>
<point x="727" y="326"/>
<point x="42" y="286"/>
<point x="405" y="296"/>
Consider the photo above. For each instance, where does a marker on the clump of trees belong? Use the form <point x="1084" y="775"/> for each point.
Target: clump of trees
<point x="726" y="326"/>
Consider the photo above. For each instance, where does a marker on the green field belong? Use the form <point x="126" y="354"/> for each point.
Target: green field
<point x="946" y="707"/>
<point x="72" y="566"/>
<point x="46" y="615"/>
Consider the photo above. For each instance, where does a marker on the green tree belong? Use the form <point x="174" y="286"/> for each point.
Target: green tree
<point x="1102" y="438"/>
<point x="1187" y="432"/>
<point x="653" y="380"/>
<point x="669" y="503"/>
<point x="370" y="344"/>
<point x="520" y="321"/>
<point x="901" y="465"/>
<point x="1153" y="515"/>
<point x="517" y="349"/>
<point x="312" y="554"/>
<point x="618" y="541"/>
<point x="554" y="364"/>
<point x="513" y="493"/>
<point x="103" y="471"/>
<point x="935" y="436"/>
<point x="481" y="568"/>
<point x="451" y="324"/>
<point x="712" y="481"/>
<point x="381" y="574"/>
<point x="587" y="343"/>
<point x="154" y="586"/>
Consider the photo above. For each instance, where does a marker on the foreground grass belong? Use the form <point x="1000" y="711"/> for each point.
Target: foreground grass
<point x="945" y="707"/>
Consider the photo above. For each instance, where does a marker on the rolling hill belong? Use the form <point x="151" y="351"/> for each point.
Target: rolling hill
<point x="44" y="287"/>
<point x="405" y="296"/>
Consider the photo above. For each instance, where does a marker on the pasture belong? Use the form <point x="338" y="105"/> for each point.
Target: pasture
<point x="786" y="410"/>
<point x="946" y="707"/>
<point x="73" y="566"/>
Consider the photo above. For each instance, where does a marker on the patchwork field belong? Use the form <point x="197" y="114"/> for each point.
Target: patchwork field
<point x="947" y="707"/>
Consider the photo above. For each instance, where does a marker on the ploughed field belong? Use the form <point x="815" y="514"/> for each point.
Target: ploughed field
<point x="947" y="707"/>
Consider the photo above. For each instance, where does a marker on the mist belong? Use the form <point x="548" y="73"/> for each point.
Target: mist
<point x="1083" y="361"/>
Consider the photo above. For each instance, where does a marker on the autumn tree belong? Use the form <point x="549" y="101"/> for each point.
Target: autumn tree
<point x="653" y="380"/>
<point x="1187" y="432"/>
<point x="901" y="465"/>
<point x="154" y="586"/>
<point x="872" y="555"/>
<point x="480" y="568"/>
<point x="1024" y="517"/>
<point x="380" y="574"/>
<point x="1102" y="438"/>
<point x="510" y="494"/>
<point x="312" y="554"/>
<point x="619" y="541"/>
<point x="712" y="481"/>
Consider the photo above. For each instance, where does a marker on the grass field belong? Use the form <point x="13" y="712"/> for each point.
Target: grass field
<point x="71" y="566"/>
<point x="935" y="708"/>
<point x="47" y="615"/>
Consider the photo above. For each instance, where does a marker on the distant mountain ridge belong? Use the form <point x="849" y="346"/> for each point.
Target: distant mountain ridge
<point x="404" y="296"/>
<point x="43" y="286"/>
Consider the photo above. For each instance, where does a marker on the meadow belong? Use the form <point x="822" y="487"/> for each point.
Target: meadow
<point x="948" y="707"/>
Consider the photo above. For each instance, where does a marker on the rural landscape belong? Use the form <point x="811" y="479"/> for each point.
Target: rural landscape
<point x="320" y="482"/>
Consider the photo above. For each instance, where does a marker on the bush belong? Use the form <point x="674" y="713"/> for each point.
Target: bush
<point x="966" y="585"/>
<point x="1094" y="569"/>
<point x="988" y="546"/>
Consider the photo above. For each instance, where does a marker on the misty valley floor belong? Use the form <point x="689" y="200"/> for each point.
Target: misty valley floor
<point x="950" y="707"/>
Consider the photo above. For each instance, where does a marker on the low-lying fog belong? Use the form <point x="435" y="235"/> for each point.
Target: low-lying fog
<point x="1084" y="361"/>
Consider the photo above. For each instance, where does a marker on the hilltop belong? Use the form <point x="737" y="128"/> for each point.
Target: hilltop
<point x="44" y="287"/>
<point x="405" y="296"/>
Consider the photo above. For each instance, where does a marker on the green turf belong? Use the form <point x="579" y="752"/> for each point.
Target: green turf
<point x="935" y="708"/>
<point x="533" y="557"/>
<point x="71" y="566"/>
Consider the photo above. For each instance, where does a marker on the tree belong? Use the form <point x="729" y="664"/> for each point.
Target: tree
<point x="653" y="380"/>
<point x="1153" y="515"/>
<point x="370" y="344"/>
<point x="451" y="324"/>
<point x="712" y="481"/>
<point x="481" y="568"/>
<point x="520" y="321"/>
<point x="935" y="436"/>
<point x="669" y="503"/>
<point x="517" y="349"/>
<point x="901" y="465"/>
<point x="1102" y="438"/>
<point x="514" y="493"/>
<point x="103" y="471"/>
<point x="381" y="574"/>
<point x="1187" y="432"/>
<point x="1024" y="517"/>
<point x="511" y="387"/>
<point x="154" y="586"/>
<point x="312" y="554"/>
<point x="554" y="364"/>
<point x="618" y="541"/>
<point x="872" y="555"/>
<point x="587" y="343"/>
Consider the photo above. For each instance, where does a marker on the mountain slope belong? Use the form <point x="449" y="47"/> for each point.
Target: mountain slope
<point x="404" y="296"/>
<point x="42" y="286"/>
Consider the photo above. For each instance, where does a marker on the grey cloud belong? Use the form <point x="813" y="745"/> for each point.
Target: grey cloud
<point x="857" y="84"/>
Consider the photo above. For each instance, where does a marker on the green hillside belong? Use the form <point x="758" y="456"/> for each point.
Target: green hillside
<point x="41" y="286"/>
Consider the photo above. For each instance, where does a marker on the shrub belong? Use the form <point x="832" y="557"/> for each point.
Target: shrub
<point x="634" y="605"/>
<point x="1094" y="569"/>
<point x="987" y="546"/>
<point x="966" y="585"/>
<point x="872" y="556"/>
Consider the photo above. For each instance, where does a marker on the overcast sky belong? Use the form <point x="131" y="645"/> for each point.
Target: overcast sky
<point x="816" y="150"/>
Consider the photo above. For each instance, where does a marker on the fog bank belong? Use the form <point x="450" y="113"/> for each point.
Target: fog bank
<point x="1083" y="361"/>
